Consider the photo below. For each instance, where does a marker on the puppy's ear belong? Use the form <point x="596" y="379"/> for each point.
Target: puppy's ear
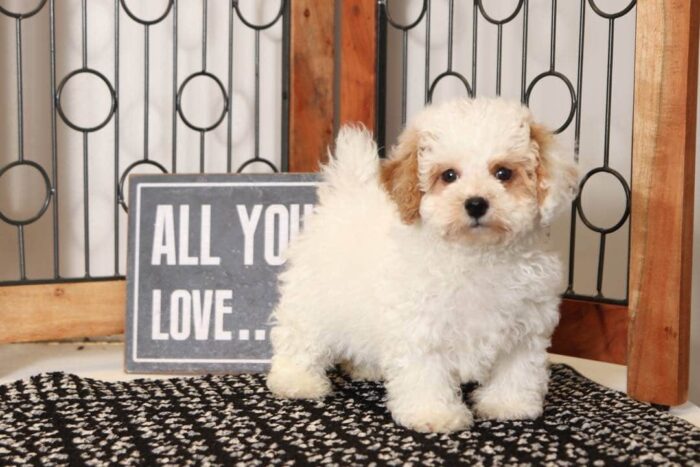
<point x="399" y="175"/>
<point x="557" y="175"/>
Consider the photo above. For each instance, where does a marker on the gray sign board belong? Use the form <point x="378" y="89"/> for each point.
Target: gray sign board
<point x="204" y="254"/>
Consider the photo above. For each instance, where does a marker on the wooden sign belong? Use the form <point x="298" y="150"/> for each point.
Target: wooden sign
<point x="204" y="254"/>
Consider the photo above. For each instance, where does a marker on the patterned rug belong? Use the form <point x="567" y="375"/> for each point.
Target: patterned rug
<point x="60" y="419"/>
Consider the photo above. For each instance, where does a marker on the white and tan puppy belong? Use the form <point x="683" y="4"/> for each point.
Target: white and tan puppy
<point x="427" y="270"/>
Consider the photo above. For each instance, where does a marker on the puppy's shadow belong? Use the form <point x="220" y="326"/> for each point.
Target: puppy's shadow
<point x="467" y="390"/>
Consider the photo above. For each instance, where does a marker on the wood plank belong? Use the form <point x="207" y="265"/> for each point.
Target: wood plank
<point x="663" y="177"/>
<point x="358" y="62"/>
<point x="311" y="83"/>
<point x="61" y="311"/>
<point x="591" y="330"/>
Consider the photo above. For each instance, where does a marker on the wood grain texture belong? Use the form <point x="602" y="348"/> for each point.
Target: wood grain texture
<point x="311" y="83"/>
<point x="358" y="62"/>
<point x="59" y="311"/>
<point x="591" y="330"/>
<point x="663" y="168"/>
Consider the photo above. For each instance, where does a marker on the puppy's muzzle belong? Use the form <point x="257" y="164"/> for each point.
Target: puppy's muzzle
<point x="476" y="206"/>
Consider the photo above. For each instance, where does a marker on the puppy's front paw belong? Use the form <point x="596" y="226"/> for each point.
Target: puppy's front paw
<point x="436" y="419"/>
<point x="506" y="407"/>
<point x="291" y="381"/>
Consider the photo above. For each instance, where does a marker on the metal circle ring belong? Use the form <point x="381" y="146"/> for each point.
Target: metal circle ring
<point x="259" y="27"/>
<point x="625" y="187"/>
<point x="112" y="93"/>
<point x="47" y="198"/>
<point x="26" y="15"/>
<point x="570" y="87"/>
<point x="257" y="160"/>
<point x="144" y="21"/>
<point x="622" y="12"/>
<point x="405" y="27"/>
<point x="223" y="94"/>
<point x="120" y="189"/>
<point x="499" y="22"/>
<point x="445" y="74"/>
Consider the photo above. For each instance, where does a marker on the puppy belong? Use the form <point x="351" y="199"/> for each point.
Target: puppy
<point x="427" y="270"/>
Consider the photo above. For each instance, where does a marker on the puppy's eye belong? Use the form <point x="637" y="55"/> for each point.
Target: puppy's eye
<point x="503" y="174"/>
<point x="449" y="176"/>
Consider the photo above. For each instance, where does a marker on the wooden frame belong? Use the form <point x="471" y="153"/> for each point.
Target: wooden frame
<point x="651" y="335"/>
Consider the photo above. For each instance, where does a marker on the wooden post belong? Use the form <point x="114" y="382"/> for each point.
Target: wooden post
<point x="358" y="63"/>
<point x="311" y="83"/>
<point x="663" y="167"/>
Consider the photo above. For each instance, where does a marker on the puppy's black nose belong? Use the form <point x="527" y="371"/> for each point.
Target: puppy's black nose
<point x="476" y="206"/>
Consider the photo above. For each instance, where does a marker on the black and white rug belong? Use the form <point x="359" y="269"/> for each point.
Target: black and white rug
<point x="60" y="419"/>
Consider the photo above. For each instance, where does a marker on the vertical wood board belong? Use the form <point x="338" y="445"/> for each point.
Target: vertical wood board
<point x="358" y="63"/>
<point x="662" y="199"/>
<point x="311" y="83"/>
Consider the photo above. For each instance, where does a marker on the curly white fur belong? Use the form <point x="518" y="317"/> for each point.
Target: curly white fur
<point x="427" y="305"/>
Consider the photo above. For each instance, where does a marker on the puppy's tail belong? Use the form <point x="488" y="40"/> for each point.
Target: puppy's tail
<point x="355" y="161"/>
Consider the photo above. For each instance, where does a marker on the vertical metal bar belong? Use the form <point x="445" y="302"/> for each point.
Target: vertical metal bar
<point x="116" y="139"/>
<point x="450" y="34"/>
<point x="20" y="94"/>
<point x="205" y="3"/>
<point x="553" y="40"/>
<point x="499" y="58"/>
<point x="608" y="92"/>
<point x="84" y="32"/>
<point x="579" y="79"/>
<point x="20" y="242"/>
<point x="86" y="179"/>
<point x="404" y="75"/>
<point x="54" y="148"/>
<point x="475" y="36"/>
<point x="174" y="123"/>
<point x="380" y="103"/>
<point x="146" y="82"/>
<point x="257" y="94"/>
<point x="601" y="264"/>
<point x="86" y="205"/>
<point x="427" y="53"/>
<point x="572" y="251"/>
<point x="523" y="77"/>
<point x="229" y="119"/>
<point x="201" y="151"/>
<point x="577" y="138"/>
<point x="20" y="137"/>
<point x="286" y="50"/>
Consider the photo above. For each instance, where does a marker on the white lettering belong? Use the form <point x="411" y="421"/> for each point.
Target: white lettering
<point x="249" y="224"/>
<point x="164" y="236"/>
<point x="276" y="214"/>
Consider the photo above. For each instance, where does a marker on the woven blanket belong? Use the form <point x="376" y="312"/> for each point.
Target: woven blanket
<point x="61" y="419"/>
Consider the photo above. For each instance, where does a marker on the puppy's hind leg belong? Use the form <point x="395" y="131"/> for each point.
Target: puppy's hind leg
<point x="298" y="365"/>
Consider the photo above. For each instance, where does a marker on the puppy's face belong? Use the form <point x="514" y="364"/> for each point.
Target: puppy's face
<point x="478" y="171"/>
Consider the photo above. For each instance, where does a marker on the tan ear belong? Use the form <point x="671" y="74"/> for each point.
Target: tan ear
<point x="557" y="175"/>
<point x="399" y="176"/>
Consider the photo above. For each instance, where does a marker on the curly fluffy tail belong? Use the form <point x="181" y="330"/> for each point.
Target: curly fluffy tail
<point x="355" y="161"/>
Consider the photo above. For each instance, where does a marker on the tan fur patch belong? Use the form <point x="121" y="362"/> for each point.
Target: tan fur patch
<point x="399" y="176"/>
<point x="542" y="138"/>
